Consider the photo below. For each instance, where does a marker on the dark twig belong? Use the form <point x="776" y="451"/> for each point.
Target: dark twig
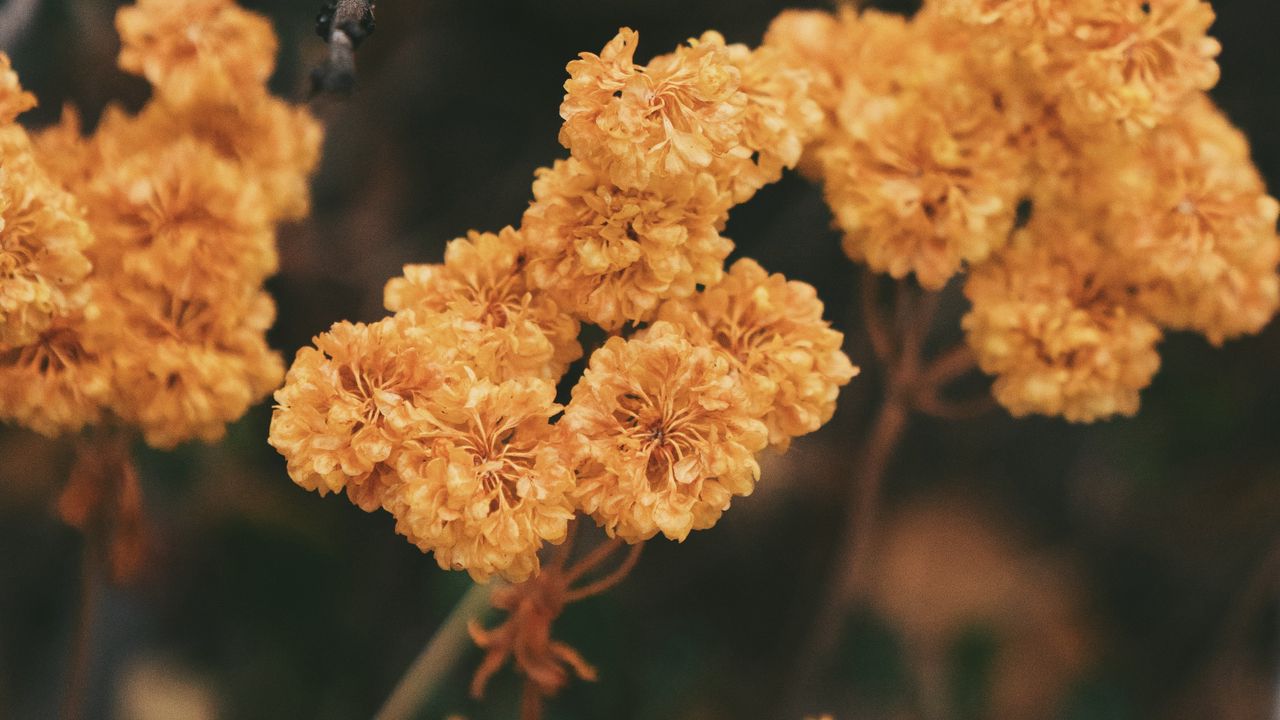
<point x="343" y="24"/>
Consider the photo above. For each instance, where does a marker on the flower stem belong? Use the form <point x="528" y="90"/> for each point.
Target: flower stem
<point x="81" y="658"/>
<point x="853" y="551"/>
<point x="438" y="657"/>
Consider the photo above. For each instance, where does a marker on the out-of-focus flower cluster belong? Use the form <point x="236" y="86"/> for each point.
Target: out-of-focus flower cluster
<point x="132" y="260"/>
<point x="445" y="413"/>
<point x="1065" y="154"/>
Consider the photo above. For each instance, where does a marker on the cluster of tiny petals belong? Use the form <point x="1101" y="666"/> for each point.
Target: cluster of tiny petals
<point x="342" y="412"/>
<point x="1128" y="62"/>
<point x="195" y="49"/>
<point x="736" y="114"/>
<point x="1199" y="234"/>
<point x="946" y="133"/>
<point x="58" y="382"/>
<point x="788" y="358"/>
<point x="662" y="435"/>
<point x="43" y="238"/>
<point x="480" y="485"/>
<point x="166" y="332"/>
<point x="1056" y="330"/>
<point x="483" y="281"/>
<point x="475" y="460"/>
<point x="916" y="161"/>
<point x="611" y="255"/>
<point x="680" y="115"/>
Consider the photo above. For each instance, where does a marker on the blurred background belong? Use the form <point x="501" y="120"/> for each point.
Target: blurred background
<point x="1024" y="569"/>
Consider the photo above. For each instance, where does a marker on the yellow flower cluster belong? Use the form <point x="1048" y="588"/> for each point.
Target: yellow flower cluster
<point x="1141" y="210"/>
<point x="444" y="413"/>
<point x="133" y="259"/>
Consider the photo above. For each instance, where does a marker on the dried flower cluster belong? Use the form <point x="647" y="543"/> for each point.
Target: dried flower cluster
<point x="444" y="413"/>
<point x="1066" y="155"/>
<point x="132" y="260"/>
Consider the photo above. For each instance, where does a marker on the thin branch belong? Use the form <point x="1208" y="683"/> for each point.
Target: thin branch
<point x="949" y="365"/>
<point x="608" y="581"/>
<point x="877" y="330"/>
<point x="82" y="649"/>
<point x="438" y="657"/>
<point x="930" y="403"/>
<point x="592" y="559"/>
<point x="531" y="701"/>
<point x="343" y="24"/>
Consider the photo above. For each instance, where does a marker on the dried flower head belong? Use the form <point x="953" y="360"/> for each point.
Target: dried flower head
<point x="193" y="50"/>
<point x="482" y="281"/>
<point x="1197" y="230"/>
<point x="479" y="484"/>
<point x="657" y="124"/>
<point x="43" y="237"/>
<point x="1053" y="326"/>
<point x="789" y="359"/>
<point x="182" y="216"/>
<point x="1132" y="62"/>
<point x="166" y="332"/>
<point x="917" y="156"/>
<point x="610" y="255"/>
<point x="57" y="383"/>
<point x="185" y="367"/>
<point x="924" y="191"/>
<point x="661" y="435"/>
<point x="342" y="412"/>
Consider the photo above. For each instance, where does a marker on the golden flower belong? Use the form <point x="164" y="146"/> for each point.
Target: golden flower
<point x="276" y="143"/>
<point x="13" y="99"/>
<point x="661" y="435"/>
<point x="183" y="368"/>
<point x="663" y="123"/>
<point x="611" y="256"/>
<point x="55" y="384"/>
<point x="780" y="117"/>
<point x="43" y="237"/>
<point x="788" y="357"/>
<point x="178" y="214"/>
<point x="479" y="484"/>
<point x="342" y="413"/>
<point x="1052" y="326"/>
<point x="1135" y="63"/>
<point x="1047" y="16"/>
<point x="482" y="281"/>
<point x="819" y="42"/>
<point x="194" y="49"/>
<point x="923" y="183"/>
<point x="1197" y="228"/>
